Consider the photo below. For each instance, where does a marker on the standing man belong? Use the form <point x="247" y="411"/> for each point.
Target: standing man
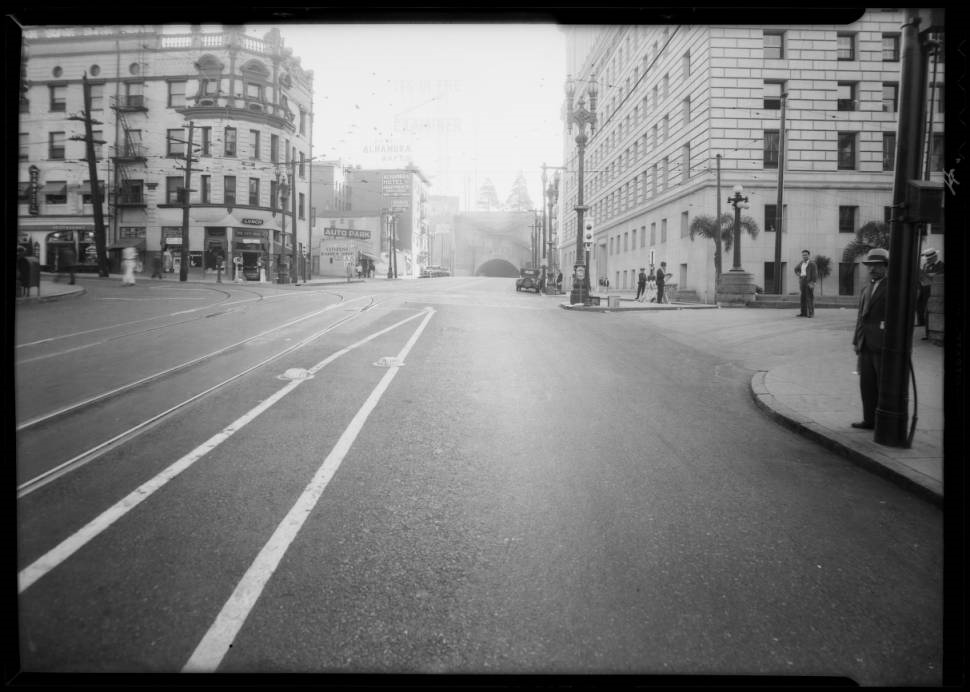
<point x="931" y="267"/>
<point x="641" y="284"/>
<point x="807" y="276"/>
<point x="661" y="278"/>
<point x="68" y="262"/>
<point x="870" y="334"/>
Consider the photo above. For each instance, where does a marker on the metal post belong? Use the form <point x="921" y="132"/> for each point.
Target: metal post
<point x="891" y="409"/>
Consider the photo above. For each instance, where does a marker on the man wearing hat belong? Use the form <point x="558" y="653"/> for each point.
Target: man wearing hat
<point x="870" y="334"/>
<point x="931" y="267"/>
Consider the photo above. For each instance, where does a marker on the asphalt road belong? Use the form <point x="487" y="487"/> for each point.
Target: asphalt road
<point x="528" y="490"/>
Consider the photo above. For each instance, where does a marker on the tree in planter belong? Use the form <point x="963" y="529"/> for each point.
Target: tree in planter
<point x="872" y="235"/>
<point x="721" y="231"/>
<point x="824" y="266"/>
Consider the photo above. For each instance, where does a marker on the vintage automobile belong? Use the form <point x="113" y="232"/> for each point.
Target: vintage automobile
<point x="432" y="271"/>
<point x="528" y="280"/>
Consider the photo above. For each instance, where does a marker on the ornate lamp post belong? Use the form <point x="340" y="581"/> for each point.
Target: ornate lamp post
<point x="737" y="285"/>
<point x="580" y="117"/>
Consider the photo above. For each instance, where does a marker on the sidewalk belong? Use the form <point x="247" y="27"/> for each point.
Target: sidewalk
<point x="806" y="379"/>
<point x="804" y="373"/>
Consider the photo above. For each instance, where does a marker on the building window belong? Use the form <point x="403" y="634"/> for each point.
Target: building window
<point x="666" y="124"/>
<point x="847" y="219"/>
<point x="176" y="94"/>
<point x="86" y="196"/>
<point x="847" y="278"/>
<point x="643" y="236"/>
<point x="683" y="224"/>
<point x="58" y="97"/>
<point x="845" y="46"/>
<point x="274" y="195"/>
<point x="254" y="92"/>
<point x="230" y="141"/>
<point x="656" y="96"/>
<point x="685" y="160"/>
<point x="97" y="97"/>
<point x="774" y="44"/>
<point x="302" y="165"/>
<point x="666" y="85"/>
<point x="626" y="242"/>
<point x="890" y="47"/>
<point x="663" y="231"/>
<point x="131" y="192"/>
<point x="229" y="189"/>
<point x="55" y="192"/>
<point x="888" y="151"/>
<point x="772" y="96"/>
<point x="205" y="189"/>
<point x="846" y="96"/>
<point x="302" y="122"/>
<point x="24" y="146"/>
<point x="938" y="98"/>
<point x="175" y="143"/>
<point x="97" y="136"/>
<point x="95" y="70"/>
<point x="685" y="64"/>
<point x="206" y="136"/>
<point x="936" y="153"/>
<point x="254" y="144"/>
<point x="173" y="189"/>
<point x="210" y="87"/>
<point x="890" y="97"/>
<point x="55" y="149"/>
<point x="771" y="217"/>
<point x="847" y="151"/>
<point x="665" y="172"/>
<point x="135" y="94"/>
<point x="254" y="192"/>
<point x="133" y="147"/>
<point x="771" y="149"/>
<point x="687" y="110"/>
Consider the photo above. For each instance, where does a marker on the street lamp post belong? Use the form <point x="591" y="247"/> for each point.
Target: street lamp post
<point x="737" y="285"/>
<point x="580" y="117"/>
<point x="284" y="195"/>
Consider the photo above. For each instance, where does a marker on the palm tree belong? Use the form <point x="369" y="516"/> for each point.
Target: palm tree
<point x="874" y="234"/>
<point x="824" y="266"/>
<point x="721" y="231"/>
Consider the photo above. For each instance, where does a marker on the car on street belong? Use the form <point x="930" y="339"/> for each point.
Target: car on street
<point x="432" y="271"/>
<point x="528" y="280"/>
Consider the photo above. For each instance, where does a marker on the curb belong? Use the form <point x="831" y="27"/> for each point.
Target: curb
<point x="51" y="299"/>
<point x="873" y="461"/>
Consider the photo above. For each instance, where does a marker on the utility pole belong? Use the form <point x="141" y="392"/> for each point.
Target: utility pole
<point x="184" y="268"/>
<point x="293" y="248"/>
<point x="542" y="202"/>
<point x="892" y="408"/>
<point x="779" y="217"/>
<point x="717" y="231"/>
<point x="100" y="243"/>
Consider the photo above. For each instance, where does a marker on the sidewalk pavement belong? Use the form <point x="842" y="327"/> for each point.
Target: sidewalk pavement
<point x="804" y="377"/>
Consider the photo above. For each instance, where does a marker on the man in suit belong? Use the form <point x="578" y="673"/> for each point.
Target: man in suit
<point x="807" y="276"/>
<point x="641" y="284"/>
<point x="661" y="275"/>
<point x="870" y="334"/>
<point x="931" y="267"/>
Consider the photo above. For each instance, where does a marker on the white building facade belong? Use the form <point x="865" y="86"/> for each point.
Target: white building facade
<point x="245" y="100"/>
<point x="685" y="113"/>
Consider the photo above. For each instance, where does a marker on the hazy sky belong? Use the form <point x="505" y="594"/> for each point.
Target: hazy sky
<point x="463" y="102"/>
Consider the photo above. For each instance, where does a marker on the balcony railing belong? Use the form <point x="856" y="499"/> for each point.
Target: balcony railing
<point x="131" y="102"/>
<point x="130" y="198"/>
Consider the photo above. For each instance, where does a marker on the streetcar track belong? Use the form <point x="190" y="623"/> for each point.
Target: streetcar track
<point x="93" y="453"/>
<point x="60" y="413"/>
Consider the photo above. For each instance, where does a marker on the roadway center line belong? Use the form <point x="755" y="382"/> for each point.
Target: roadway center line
<point x="217" y="640"/>
<point x="70" y="545"/>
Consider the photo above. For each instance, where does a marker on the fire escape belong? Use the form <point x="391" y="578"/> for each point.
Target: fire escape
<point x="130" y="157"/>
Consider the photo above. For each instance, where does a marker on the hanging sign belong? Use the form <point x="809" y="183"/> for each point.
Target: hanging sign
<point x="33" y="208"/>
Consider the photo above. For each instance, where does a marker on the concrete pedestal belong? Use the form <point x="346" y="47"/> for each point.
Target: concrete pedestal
<point x="736" y="289"/>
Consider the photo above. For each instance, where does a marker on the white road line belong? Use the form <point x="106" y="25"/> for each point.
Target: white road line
<point x="216" y="642"/>
<point x="54" y="557"/>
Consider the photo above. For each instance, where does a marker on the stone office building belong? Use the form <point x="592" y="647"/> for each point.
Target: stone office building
<point x="685" y="113"/>
<point x="247" y="103"/>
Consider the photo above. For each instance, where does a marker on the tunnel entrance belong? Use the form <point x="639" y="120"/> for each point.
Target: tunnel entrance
<point x="497" y="267"/>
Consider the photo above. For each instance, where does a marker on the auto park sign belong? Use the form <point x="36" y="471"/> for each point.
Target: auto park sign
<point x="359" y="234"/>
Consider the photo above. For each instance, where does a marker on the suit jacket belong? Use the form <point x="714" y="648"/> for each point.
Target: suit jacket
<point x="811" y="272"/>
<point x="660" y="276"/>
<point x="870" y="325"/>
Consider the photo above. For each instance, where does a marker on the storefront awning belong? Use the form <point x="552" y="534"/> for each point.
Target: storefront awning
<point x="54" y="188"/>
<point x="367" y="255"/>
<point x="138" y="243"/>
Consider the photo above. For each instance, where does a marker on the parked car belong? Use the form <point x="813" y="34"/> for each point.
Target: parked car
<point x="528" y="280"/>
<point x="432" y="271"/>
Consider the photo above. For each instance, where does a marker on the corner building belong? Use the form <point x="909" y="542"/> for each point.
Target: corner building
<point x="673" y="98"/>
<point x="246" y="101"/>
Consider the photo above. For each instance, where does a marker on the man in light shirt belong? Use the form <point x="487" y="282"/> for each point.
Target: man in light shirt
<point x="807" y="276"/>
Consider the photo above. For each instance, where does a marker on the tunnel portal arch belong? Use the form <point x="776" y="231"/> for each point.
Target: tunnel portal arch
<point x="497" y="267"/>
